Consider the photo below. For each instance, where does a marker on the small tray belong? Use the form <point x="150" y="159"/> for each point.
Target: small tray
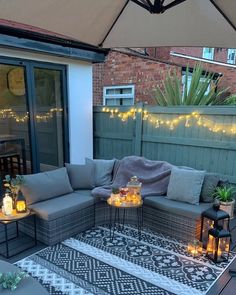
<point x="14" y="216"/>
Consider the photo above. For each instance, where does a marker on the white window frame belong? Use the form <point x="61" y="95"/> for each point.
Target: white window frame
<point x="189" y="82"/>
<point x="118" y="96"/>
<point x="208" y="55"/>
<point x="231" y="56"/>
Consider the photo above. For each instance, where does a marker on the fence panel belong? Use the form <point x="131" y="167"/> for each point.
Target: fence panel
<point x="200" y="137"/>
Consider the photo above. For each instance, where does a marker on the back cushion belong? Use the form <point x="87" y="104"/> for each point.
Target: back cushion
<point x="46" y="185"/>
<point x="103" y="170"/>
<point x="210" y="182"/>
<point x="81" y="176"/>
<point x="185" y="185"/>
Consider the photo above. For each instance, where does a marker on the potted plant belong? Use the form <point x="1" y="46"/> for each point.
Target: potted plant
<point x="225" y="195"/>
<point x="12" y="185"/>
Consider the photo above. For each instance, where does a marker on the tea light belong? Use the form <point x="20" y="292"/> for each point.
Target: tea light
<point x="195" y="248"/>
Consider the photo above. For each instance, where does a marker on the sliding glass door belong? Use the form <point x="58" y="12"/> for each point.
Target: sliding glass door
<point x="49" y="117"/>
<point x="33" y="125"/>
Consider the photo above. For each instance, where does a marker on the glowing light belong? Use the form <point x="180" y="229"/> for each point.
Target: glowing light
<point x="193" y="119"/>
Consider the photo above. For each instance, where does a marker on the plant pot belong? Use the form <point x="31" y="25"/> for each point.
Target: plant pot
<point x="228" y="207"/>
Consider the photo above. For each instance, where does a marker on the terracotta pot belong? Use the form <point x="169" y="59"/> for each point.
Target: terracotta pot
<point x="228" y="207"/>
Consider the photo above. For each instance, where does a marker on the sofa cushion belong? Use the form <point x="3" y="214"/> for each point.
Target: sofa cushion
<point x="103" y="170"/>
<point x="185" y="185"/>
<point x="81" y="176"/>
<point x="46" y="185"/>
<point x="63" y="205"/>
<point x="208" y="187"/>
<point x="175" y="207"/>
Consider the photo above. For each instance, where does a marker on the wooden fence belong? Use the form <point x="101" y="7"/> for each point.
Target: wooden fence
<point x="200" y="137"/>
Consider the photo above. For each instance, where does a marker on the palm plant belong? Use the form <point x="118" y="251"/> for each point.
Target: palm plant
<point x="201" y="90"/>
<point x="231" y="100"/>
<point x="224" y="193"/>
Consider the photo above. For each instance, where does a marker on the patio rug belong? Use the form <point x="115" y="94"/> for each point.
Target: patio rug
<point x="91" y="263"/>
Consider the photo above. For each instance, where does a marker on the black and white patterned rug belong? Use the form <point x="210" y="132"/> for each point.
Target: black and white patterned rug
<point x="91" y="263"/>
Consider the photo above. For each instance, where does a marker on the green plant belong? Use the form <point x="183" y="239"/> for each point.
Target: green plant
<point x="12" y="185"/>
<point x="224" y="193"/>
<point x="231" y="100"/>
<point x="11" y="280"/>
<point x="201" y="90"/>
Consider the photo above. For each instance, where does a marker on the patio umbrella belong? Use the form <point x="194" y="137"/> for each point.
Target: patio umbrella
<point x="131" y="23"/>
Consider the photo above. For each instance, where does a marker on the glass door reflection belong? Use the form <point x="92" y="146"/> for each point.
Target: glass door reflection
<point x="49" y="117"/>
<point x="15" y="148"/>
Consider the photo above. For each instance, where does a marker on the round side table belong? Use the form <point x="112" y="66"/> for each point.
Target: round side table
<point x="120" y="212"/>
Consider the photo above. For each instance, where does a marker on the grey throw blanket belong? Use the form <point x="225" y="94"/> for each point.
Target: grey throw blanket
<point x="154" y="176"/>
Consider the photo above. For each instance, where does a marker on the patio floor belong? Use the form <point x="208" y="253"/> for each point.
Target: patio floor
<point x="225" y="285"/>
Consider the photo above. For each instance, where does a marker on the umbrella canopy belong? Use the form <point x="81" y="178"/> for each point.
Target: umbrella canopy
<point x="132" y="23"/>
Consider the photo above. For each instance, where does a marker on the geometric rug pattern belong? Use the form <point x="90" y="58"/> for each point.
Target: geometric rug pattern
<point x="92" y="263"/>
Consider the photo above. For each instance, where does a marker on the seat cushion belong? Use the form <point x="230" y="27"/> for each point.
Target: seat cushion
<point x="63" y="205"/>
<point x="175" y="207"/>
<point x="46" y="185"/>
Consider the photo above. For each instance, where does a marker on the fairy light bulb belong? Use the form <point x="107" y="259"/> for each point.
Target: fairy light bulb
<point x="171" y="126"/>
<point x="157" y="124"/>
<point x="112" y="114"/>
<point x="187" y="124"/>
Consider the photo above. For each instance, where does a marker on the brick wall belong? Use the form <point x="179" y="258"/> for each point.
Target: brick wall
<point x="124" y="69"/>
<point x="220" y="54"/>
<point x="146" y="73"/>
<point x="228" y="79"/>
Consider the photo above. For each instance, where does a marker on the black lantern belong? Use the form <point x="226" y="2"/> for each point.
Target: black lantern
<point x="218" y="244"/>
<point x="213" y="218"/>
<point x="20" y="203"/>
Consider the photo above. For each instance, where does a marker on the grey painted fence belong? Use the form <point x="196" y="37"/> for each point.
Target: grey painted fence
<point x="195" y="146"/>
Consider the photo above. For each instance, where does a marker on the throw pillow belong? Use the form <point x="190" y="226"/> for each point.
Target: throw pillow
<point x="185" y="185"/>
<point x="81" y="176"/>
<point x="210" y="183"/>
<point x="46" y="185"/>
<point x="103" y="170"/>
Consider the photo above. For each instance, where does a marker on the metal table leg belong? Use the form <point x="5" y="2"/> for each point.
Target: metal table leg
<point x="6" y="238"/>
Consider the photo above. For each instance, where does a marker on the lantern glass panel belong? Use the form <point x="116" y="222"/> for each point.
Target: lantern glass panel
<point x="207" y="224"/>
<point x="218" y="248"/>
<point x="211" y="246"/>
<point x="223" y="249"/>
<point x="20" y="206"/>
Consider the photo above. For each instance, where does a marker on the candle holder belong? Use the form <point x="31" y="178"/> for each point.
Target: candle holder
<point x="195" y="248"/>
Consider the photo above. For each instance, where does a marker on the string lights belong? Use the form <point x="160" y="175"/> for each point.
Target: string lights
<point x="9" y="113"/>
<point x="192" y="119"/>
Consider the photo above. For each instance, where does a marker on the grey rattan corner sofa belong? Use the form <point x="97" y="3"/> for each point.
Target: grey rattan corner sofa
<point x="63" y="211"/>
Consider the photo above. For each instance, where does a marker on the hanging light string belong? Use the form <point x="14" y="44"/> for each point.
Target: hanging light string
<point x="9" y="113"/>
<point x="189" y="120"/>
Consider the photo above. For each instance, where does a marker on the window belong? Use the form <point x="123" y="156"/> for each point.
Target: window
<point x="189" y="82"/>
<point x="231" y="56"/>
<point x="208" y="53"/>
<point x="118" y="95"/>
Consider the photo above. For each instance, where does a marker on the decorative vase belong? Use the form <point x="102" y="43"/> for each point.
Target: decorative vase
<point x="228" y="207"/>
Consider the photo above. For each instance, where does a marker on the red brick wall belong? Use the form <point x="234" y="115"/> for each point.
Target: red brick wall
<point x="122" y="68"/>
<point x="220" y="54"/>
<point x="192" y="51"/>
<point x="146" y="73"/>
<point x="229" y="73"/>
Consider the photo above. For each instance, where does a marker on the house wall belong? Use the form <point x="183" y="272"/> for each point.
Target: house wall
<point x="80" y="100"/>
<point x="147" y="72"/>
<point x="220" y="54"/>
<point x="125" y="69"/>
<point x="228" y="72"/>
